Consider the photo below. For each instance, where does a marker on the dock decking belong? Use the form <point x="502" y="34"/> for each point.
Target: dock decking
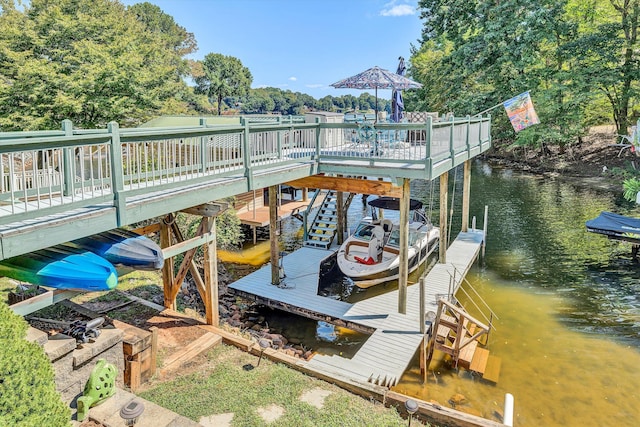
<point x="388" y="351"/>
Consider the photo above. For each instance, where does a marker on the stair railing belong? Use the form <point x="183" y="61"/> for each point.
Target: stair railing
<point x="305" y="218"/>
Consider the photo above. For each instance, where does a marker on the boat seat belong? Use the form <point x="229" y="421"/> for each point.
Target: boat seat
<point x="387" y="225"/>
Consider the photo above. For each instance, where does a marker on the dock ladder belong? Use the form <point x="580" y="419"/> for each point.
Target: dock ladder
<point x="322" y="230"/>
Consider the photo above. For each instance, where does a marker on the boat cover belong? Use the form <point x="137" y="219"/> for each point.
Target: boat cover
<point x="616" y="226"/>
<point x="393" y="203"/>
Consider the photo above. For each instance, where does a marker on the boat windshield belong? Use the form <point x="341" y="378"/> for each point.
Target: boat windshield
<point x="364" y="231"/>
<point x="394" y="237"/>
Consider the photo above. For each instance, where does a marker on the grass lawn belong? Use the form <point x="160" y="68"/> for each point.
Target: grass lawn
<point x="220" y="385"/>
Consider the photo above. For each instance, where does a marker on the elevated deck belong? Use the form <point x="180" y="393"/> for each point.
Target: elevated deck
<point x="395" y="337"/>
<point x="61" y="185"/>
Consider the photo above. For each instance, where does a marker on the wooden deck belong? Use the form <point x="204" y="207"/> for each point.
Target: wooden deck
<point x="388" y="351"/>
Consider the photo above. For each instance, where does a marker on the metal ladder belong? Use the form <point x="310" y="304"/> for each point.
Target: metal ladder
<point x="323" y="228"/>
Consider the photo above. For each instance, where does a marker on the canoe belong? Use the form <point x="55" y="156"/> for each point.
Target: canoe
<point x="123" y="248"/>
<point x="62" y="267"/>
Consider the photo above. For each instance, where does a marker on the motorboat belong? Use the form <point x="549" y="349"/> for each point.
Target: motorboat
<point x="371" y="255"/>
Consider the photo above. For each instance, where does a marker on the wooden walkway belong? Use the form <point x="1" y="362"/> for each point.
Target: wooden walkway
<point x="388" y="351"/>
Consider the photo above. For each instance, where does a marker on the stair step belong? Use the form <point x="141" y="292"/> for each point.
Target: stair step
<point x="479" y="362"/>
<point x="492" y="370"/>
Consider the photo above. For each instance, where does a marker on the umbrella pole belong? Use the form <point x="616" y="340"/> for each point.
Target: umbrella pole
<point x="375" y="120"/>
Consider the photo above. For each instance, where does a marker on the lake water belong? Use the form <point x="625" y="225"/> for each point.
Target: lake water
<point x="568" y="303"/>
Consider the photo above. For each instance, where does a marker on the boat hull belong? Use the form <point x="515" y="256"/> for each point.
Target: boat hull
<point x="62" y="268"/>
<point x="123" y="248"/>
<point x="353" y="252"/>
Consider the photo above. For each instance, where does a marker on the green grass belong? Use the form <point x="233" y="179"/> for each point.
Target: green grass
<point x="223" y="386"/>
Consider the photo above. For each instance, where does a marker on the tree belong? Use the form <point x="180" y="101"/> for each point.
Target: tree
<point x="90" y="61"/>
<point x="29" y="397"/>
<point x="222" y="76"/>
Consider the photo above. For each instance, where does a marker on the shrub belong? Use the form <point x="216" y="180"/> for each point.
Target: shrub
<point x="27" y="389"/>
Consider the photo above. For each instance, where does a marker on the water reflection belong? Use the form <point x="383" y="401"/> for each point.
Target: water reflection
<point x="569" y="328"/>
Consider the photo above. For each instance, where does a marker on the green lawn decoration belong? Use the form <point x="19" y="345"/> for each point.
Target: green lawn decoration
<point x="99" y="387"/>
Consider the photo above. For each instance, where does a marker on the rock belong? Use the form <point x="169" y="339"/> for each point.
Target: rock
<point x="294" y="340"/>
<point x="248" y="324"/>
<point x="457" y="399"/>
<point x="308" y="355"/>
<point x="256" y="328"/>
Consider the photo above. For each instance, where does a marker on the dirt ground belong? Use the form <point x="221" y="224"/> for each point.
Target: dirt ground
<point x="596" y="155"/>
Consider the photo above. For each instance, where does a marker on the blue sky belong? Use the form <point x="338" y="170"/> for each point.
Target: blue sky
<point x="301" y="45"/>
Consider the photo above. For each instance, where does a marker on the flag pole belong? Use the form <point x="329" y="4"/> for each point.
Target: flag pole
<point x="488" y="109"/>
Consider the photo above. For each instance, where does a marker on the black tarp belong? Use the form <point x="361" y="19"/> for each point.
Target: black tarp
<point x="616" y="226"/>
<point x="393" y="203"/>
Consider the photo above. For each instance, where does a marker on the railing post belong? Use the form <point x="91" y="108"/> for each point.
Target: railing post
<point x="279" y="140"/>
<point x="318" y="138"/>
<point x="451" y="148"/>
<point x="467" y="136"/>
<point x="246" y="155"/>
<point x="67" y="160"/>
<point x="117" y="178"/>
<point x="489" y="126"/>
<point x="427" y="145"/>
<point x="204" y="154"/>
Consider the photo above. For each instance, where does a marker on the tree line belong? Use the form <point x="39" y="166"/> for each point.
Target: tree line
<point x="578" y="58"/>
<point x="96" y="61"/>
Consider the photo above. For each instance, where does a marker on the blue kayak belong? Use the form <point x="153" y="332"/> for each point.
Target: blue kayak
<point x="62" y="268"/>
<point x="123" y="248"/>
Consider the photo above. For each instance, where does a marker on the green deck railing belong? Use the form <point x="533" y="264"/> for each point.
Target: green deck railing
<point x="48" y="172"/>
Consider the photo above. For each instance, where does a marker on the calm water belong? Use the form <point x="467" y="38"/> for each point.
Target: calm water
<point x="568" y="303"/>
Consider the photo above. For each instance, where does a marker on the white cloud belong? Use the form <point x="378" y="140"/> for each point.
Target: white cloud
<point x="393" y="9"/>
<point x="293" y="78"/>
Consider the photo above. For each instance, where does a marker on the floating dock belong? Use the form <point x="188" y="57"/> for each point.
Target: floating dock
<point x="395" y="337"/>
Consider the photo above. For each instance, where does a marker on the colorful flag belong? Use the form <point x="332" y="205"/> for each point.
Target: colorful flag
<point x="520" y="111"/>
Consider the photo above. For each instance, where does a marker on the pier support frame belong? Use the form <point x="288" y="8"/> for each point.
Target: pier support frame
<point x="444" y="208"/>
<point x="466" y="193"/>
<point x="403" y="273"/>
<point x="206" y="237"/>
<point x="273" y="234"/>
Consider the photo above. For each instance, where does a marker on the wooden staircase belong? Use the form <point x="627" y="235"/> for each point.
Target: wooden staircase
<point x="457" y="333"/>
<point x="323" y="229"/>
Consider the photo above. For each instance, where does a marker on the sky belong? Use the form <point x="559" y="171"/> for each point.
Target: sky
<point x="301" y="45"/>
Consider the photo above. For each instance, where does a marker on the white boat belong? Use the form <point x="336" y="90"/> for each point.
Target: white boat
<point x="371" y="255"/>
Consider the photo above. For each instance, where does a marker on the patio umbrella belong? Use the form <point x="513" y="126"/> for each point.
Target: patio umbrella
<point x="397" y="104"/>
<point x="377" y="78"/>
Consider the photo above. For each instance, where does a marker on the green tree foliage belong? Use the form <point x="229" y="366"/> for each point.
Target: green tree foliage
<point x="90" y="61"/>
<point x="29" y="398"/>
<point x="218" y="76"/>
<point x="569" y="53"/>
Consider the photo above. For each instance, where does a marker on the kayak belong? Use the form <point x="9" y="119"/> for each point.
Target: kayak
<point x="123" y="248"/>
<point x="62" y="267"/>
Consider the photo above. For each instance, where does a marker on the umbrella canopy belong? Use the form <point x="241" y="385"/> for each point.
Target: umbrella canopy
<point x="377" y="78"/>
<point x="397" y="103"/>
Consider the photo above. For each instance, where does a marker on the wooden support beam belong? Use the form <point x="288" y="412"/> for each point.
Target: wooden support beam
<point x="193" y="268"/>
<point x="147" y="229"/>
<point x="167" y="268"/>
<point x="210" y="297"/>
<point x="444" y="197"/>
<point x="348" y="185"/>
<point x="466" y="192"/>
<point x="273" y="234"/>
<point x="185" y="265"/>
<point x="403" y="273"/>
<point x="340" y="226"/>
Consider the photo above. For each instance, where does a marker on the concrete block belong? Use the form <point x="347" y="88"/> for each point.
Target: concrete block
<point x="108" y="338"/>
<point x="37" y="336"/>
<point x="59" y="345"/>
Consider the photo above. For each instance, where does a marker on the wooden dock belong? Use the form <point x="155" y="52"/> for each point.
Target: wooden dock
<point x="386" y="354"/>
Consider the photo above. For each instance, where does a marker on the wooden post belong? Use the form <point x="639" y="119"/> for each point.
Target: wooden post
<point x="340" y="226"/>
<point x="305" y="194"/>
<point x="273" y="234"/>
<point x="403" y="274"/>
<point x="423" y="354"/>
<point x="167" y="268"/>
<point x="210" y="255"/>
<point x="444" y="196"/>
<point x="466" y="191"/>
